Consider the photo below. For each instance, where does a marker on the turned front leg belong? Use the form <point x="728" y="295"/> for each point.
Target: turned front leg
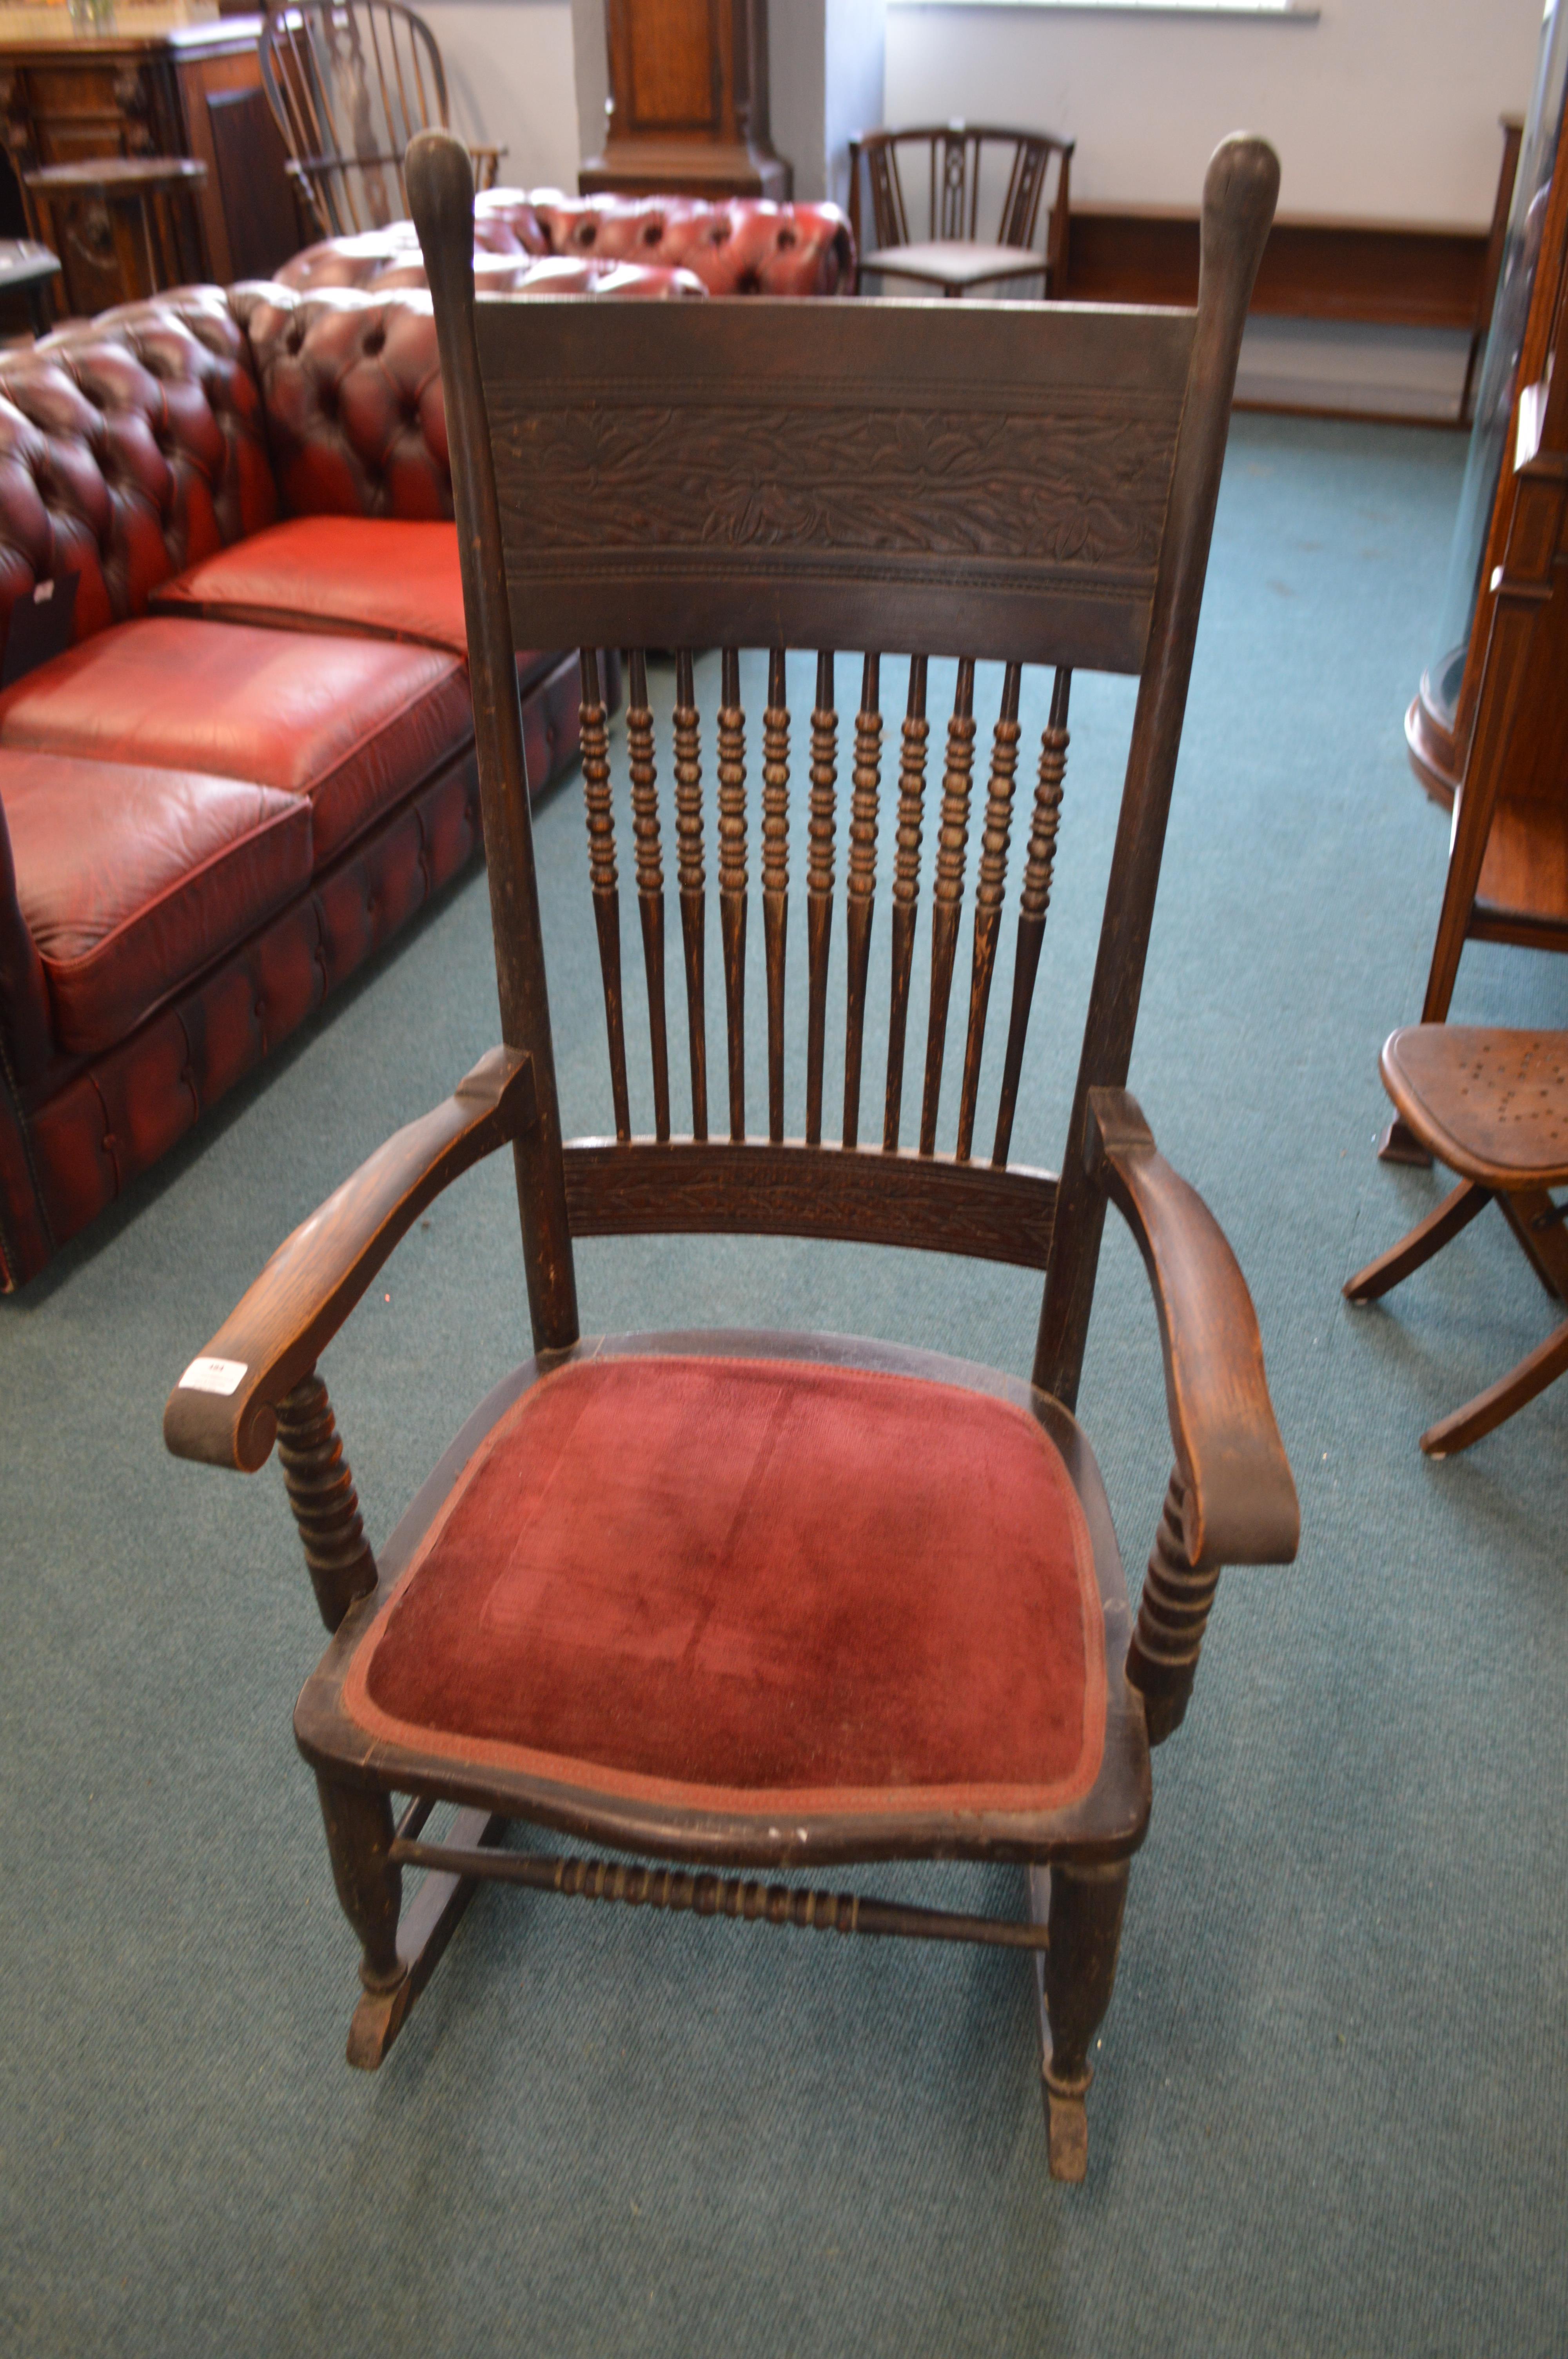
<point x="1079" y="1971"/>
<point x="359" y="1840"/>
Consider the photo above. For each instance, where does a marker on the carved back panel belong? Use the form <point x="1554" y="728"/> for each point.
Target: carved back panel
<point x="892" y="476"/>
<point x="1030" y="485"/>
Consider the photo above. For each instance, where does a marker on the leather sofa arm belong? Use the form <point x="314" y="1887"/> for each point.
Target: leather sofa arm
<point x="1239" y="1500"/>
<point x="25" y="1032"/>
<point x="224" y="1409"/>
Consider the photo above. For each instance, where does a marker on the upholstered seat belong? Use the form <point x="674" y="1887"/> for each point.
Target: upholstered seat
<point x="132" y="880"/>
<point x="349" y="723"/>
<point x="760" y="1585"/>
<point x="369" y="576"/>
<point x="360" y="574"/>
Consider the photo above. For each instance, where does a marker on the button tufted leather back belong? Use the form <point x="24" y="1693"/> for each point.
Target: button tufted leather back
<point x="742" y="247"/>
<point x="377" y="261"/>
<point x="130" y="447"/>
<point x="352" y="393"/>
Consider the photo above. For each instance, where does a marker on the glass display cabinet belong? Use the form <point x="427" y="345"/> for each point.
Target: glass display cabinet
<point x="1442" y="715"/>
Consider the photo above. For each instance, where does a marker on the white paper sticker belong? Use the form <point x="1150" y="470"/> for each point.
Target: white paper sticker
<point x="212" y="1376"/>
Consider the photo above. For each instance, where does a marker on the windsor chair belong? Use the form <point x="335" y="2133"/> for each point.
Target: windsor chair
<point x="740" y="1600"/>
<point x="958" y="160"/>
<point x="351" y="83"/>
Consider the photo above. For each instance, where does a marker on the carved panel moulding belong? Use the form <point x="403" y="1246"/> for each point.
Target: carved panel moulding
<point x="1075" y="487"/>
<point x="1006" y="485"/>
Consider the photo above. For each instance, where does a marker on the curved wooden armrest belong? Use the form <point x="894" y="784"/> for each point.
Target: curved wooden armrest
<point x="1238" y="1502"/>
<point x="223" y="1410"/>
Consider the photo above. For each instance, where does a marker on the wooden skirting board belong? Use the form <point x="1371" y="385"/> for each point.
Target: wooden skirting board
<point x="1367" y="276"/>
<point x="1379" y="272"/>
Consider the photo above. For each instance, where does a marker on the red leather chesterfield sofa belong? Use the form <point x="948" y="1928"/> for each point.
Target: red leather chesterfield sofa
<point x="254" y="760"/>
<point x="546" y="242"/>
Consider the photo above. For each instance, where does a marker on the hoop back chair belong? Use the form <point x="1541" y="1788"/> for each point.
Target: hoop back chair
<point x="960" y="156"/>
<point x="744" y="1600"/>
<point x="351" y="83"/>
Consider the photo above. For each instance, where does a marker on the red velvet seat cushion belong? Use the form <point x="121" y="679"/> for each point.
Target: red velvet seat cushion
<point x="133" y="880"/>
<point x="754" y="1585"/>
<point x="352" y="723"/>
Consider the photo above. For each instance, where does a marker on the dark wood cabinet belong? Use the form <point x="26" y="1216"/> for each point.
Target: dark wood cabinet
<point x="689" y="101"/>
<point x="187" y="89"/>
<point x="1506" y="723"/>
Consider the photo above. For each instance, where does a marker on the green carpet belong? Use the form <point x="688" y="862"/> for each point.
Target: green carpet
<point x="1330" y="2114"/>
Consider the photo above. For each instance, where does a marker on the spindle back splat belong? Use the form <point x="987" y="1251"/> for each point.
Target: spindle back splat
<point x="1033" y="486"/>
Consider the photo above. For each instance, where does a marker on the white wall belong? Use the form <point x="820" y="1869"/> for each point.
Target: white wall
<point x="824" y="76"/>
<point x="1381" y="109"/>
<point x="509" y="77"/>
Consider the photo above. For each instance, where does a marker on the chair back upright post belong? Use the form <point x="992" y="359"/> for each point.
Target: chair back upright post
<point x="351" y="83"/>
<point x="1021" y="485"/>
<point x="440" y="182"/>
<point x="1239" y="194"/>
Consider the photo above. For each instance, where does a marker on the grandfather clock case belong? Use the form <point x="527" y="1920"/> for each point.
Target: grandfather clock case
<point x="688" y="102"/>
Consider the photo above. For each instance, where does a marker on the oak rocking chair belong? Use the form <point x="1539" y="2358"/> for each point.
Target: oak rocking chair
<point x="724" y="1603"/>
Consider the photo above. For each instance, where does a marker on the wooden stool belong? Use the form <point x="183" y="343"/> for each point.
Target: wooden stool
<point x="1493" y="1105"/>
<point x="134" y="213"/>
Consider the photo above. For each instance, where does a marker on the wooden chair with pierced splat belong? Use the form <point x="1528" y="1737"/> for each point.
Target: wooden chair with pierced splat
<point x="1492" y="1105"/>
<point x="735" y="1601"/>
<point x="957" y="163"/>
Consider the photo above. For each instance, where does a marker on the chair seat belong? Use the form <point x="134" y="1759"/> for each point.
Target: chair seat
<point x="753" y="1585"/>
<point x="1491" y="1104"/>
<point x="956" y="262"/>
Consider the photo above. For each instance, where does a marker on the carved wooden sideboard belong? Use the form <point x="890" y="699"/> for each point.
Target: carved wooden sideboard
<point x="163" y="82"/>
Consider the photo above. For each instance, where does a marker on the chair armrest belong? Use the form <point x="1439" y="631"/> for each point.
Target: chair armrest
<point x="1238" y="1502"/>
<point x="224" y="1409"/>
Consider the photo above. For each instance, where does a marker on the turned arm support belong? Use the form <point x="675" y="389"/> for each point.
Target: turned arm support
<point x="1231" y="1498"/>
<point x="224" y="1409"/>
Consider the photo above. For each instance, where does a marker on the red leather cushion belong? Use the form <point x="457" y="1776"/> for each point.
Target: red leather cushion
<point x="755" y="1585"/>
<point x="375" y="574"/>
<point x="353" y="723"/>
<point x="132" y="880"/>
